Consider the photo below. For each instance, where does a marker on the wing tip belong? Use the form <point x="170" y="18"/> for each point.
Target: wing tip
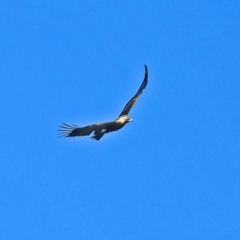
<point x="65" y="130"/>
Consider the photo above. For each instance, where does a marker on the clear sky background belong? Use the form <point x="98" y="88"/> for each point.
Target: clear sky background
<point x="174" y="173"/>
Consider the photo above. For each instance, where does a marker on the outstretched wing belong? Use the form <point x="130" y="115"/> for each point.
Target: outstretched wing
<point x="67" y="130"/>
<point x="129" y="105"/>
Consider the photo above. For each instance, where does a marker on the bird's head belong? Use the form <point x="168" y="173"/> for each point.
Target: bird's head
<point x="130" y="120"/>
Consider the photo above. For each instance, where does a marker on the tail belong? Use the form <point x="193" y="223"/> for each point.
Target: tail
<point x="98" y="136"/>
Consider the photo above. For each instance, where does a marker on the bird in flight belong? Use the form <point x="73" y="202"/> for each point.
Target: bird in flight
<point x="100" y="129"/>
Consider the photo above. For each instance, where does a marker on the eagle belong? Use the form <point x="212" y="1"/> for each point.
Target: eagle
<point x="99" y="129"/>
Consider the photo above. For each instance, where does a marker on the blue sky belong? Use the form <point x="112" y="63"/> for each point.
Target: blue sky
<point x="171" y="174"/>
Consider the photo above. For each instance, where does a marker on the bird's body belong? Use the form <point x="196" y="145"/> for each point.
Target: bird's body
<point x="100" y="129"/>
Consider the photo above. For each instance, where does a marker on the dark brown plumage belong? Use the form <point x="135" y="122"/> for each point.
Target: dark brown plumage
<point x="100" y="129"/>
